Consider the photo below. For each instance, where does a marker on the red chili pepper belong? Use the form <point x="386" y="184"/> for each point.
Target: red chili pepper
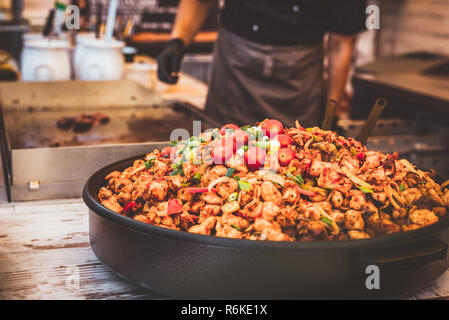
<point x="335" y="181"/>
<point x="174" y="206"/>
<point x="129" y="206"/>
<point x="361" y="156"/>
<point x="199" y="190"/>
<point x="306" y="192"/>
<point x="307" y="169"/>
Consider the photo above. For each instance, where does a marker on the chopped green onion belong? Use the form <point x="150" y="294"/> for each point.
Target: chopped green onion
<point x="149" y="163"/>
<point x="235" y="227"/>
<point x="402" y="187"/>
<point x="327" y="221"/>
<point x="294" y="179"/>
<point x="244" y="185"/>
<point x="173" y="143"/>
<point x="174" y="172"/>
<point x="230" y="172"/>
<point x="197" y="178"/>
<point x="237" y="178"/>
<point x="365" y="190"/>
<point x="300" y="178"/>
<point x="245" y="148"/>
<point x="233" y="197"/>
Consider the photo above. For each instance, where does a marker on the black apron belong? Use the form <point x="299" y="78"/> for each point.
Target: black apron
<point x="251" y="82"/>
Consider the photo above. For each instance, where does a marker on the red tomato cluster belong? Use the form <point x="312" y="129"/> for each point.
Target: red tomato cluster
<point x="255" y="156"/>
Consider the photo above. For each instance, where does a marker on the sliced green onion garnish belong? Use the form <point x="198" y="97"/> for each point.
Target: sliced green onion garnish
<point x="401" y="187"/>
<point x="293" y="178"/>
<point x="327" y="221"/>
<point x="233" y="197"/>
<point x="149" y="163"/>
<point x="235" y="227"/>
<point x="174" y="172"/>
<point x="244" y="185"/>
<point x="230" y="172"/>
<point x="237" y="178"/>
<point x="365" y="190"/>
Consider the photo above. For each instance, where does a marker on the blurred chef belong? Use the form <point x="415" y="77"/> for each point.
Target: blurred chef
<point x="268" y="59"/>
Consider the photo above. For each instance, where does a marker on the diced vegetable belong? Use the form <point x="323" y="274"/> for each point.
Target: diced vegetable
<point x="355" y="179"/>
<point x="175" y="172"/>
<point x="129" y="206"/>
<point x="233" y="197"/>
<point x="361" y="156"/>
<point x="295" y="179"/>
<point x="365" y="190"/>
<point x="300" y="178"/>
<point x="402" y="187"/>
<point x="199" y="190"/>
<point x="149" y="163"/>
<point x="327" y="221"/>
<point x="306" y="192"/>
<point x="197" y="178"/>
<point x="244" y="185"/>
<point x="235" y="227"/>
<point x="230" y="172"/>
<point x="174" y="206"/>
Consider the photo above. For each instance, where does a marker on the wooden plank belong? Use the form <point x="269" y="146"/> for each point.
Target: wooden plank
<point x="43" y="248"/>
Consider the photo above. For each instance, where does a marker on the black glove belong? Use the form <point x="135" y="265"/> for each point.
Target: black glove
<point x="169" y="61"/>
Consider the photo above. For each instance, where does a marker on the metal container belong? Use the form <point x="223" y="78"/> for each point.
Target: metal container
<point x="45" y="162"/>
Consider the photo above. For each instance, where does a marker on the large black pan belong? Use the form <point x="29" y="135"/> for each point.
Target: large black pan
<point x="185" y="265"/>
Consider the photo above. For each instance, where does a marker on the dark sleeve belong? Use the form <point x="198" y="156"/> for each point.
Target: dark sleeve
<point x="347" y="16"/>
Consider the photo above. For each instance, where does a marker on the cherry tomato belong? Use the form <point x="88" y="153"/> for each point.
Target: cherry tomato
<point x="285" y="140"/>
<point x="166" y="151"/>
<point x="255" y="158"/>
<point x="273" y="128"/>
<point x="228" y="126"/>
<point x="285" y="156"/>
<point x="223" y="151"/>
<point x="240" y="137"/>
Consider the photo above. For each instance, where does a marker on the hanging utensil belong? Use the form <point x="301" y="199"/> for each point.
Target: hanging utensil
<point x="329" y="115"/>
<point x="48" y="28"/>
<point x="110" y="22"/>
<point x="367" y="129"/>
<point x="98" y="22"/>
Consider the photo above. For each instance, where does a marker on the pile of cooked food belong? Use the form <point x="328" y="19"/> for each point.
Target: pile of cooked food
<point x="267" y="182"/>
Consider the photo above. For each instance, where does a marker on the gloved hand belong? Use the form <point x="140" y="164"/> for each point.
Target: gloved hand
<point x="169" y="61"/>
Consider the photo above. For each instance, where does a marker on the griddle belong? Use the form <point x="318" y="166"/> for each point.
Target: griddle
<point x="44" y="162"/>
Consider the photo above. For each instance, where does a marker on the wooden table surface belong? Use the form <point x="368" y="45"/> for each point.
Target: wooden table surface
<point x="45" y="254"/>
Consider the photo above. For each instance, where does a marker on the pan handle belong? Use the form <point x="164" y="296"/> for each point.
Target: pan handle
<point x="405" y="257"/>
